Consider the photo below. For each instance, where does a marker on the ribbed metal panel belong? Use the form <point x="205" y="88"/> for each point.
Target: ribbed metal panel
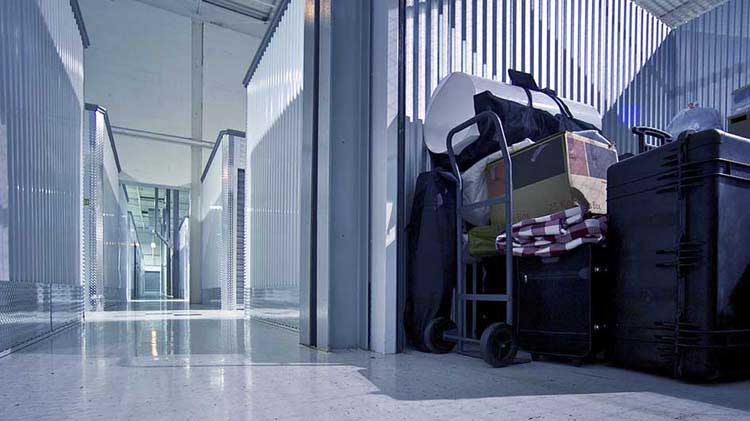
<point x="41" y="104"/>
<point x="713" y="60"/>
<point x="587" y="50"/>
<point x="274" y="147"/>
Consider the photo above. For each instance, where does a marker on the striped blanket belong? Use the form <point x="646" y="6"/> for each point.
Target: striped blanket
<point x="555" y="234"/>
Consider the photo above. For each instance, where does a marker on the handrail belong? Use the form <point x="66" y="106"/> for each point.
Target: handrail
<point x="273" y="24"/>
<point x="100" y="109"/>
<point x="226" y="132"/>
<point x="78" y="16"/>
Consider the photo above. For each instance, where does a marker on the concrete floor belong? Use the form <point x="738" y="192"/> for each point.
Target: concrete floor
<point x="203" y="364"/>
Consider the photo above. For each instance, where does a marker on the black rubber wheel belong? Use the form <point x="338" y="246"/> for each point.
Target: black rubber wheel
<point x="498" y="345"/>
<point x="433" y="335"/>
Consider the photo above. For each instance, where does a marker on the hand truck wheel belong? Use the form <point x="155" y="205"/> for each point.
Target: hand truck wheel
<point x="433" y="335"/>
<point x="498" y="345"/>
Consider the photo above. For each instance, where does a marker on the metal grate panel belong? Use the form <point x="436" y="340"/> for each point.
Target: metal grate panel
<point x="240" y="244"/>
<point x="219" y="221"/>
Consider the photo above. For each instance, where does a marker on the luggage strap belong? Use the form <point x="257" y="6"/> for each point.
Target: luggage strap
<point x="527" y="82"/>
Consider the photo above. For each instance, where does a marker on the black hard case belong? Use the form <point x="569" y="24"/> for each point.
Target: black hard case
<point x="679" y="223"/>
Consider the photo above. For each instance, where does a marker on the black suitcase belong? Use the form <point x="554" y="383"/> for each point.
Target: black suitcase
<point x="678" y="232"/>
<point x="563" y="303"/>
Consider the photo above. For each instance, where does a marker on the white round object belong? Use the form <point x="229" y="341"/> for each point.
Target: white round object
<point x="453" y="103"/>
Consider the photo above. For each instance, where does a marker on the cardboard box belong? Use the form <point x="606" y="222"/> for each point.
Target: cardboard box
<point x="552" y="175"/>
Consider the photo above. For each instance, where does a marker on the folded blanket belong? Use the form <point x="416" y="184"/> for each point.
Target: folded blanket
<point x="555" y="234"/>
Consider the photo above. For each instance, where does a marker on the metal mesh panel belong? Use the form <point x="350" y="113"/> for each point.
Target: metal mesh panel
<point x="41" y="91"/>
<point x="112" y="282"/>
<point x="228" y="185"/>
<point x="240" y="243"/>
<point x="221" y="242"/>
<point x="93" y="229"/>
<point x="105" y="225"/>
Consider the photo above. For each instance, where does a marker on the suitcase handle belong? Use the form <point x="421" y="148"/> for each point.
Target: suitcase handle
<point x="641" y="132"/>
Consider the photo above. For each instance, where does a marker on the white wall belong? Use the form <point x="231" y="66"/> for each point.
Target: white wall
<point x="227" y="55"/>
<point x="138" y="67"/>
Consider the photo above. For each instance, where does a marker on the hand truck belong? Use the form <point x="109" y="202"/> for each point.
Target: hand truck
<point x="498" y="344"/>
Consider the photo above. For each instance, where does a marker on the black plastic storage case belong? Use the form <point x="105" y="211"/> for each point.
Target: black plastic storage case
<point x="679" y="220"/>
<point x="563" y="303"/>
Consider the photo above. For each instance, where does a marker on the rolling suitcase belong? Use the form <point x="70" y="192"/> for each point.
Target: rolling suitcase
<point x="678" y="224"/>
<point x="563" y="303"/>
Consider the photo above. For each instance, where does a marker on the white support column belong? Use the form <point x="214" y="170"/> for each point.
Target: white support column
<point x="196" y="158"/>
<point x="384" y="177"/>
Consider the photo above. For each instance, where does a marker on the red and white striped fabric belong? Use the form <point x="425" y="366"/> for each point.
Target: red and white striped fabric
<point x="555" y="234"/>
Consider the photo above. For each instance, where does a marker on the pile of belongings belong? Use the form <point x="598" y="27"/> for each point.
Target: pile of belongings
<point x="555" y="234"/>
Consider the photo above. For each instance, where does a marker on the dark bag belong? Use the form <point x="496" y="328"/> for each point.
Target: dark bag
<point x="519" y="122"/>
<point x="431" y="265"/>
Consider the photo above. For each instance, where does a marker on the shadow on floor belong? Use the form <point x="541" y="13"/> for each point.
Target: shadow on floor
<point x="242" y="348"/>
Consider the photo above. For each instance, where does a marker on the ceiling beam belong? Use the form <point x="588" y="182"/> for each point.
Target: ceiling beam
<point x="677" y="12"/>
<point x="211" y="13"/>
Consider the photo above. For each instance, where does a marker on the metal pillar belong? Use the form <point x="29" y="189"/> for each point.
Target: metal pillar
<point x="338" y="150"/>
<point x="176" y="293"/>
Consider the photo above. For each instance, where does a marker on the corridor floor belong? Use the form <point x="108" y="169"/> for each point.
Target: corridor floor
<point x="203" y="364"/>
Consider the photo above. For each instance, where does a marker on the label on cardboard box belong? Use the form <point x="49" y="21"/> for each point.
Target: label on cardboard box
<point x="552" y="175"/>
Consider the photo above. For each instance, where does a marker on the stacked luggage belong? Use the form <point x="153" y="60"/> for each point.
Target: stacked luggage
<point x="554" y="169"/>
<point x="641" y="261"/>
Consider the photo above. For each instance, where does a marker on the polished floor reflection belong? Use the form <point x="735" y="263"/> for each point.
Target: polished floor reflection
<point x="202" y="364"/>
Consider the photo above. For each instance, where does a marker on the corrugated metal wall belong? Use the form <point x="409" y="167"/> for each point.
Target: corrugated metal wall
<point x="609" y="54"/>
<point x="274" y="149"/>
<point x="714" y="57"/>
<point x="41" y="105"/>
